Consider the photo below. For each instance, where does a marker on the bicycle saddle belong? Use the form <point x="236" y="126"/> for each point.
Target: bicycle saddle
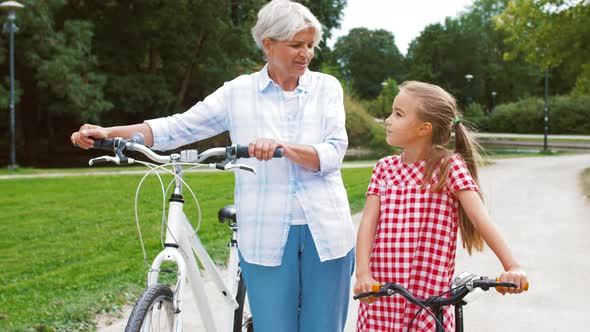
<point x="227" y="213"/>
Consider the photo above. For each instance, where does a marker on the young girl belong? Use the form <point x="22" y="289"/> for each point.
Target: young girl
<point x="415" y="202"/>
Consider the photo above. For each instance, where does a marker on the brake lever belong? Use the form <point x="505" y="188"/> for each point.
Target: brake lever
<point x="104" y="159"/>
<point x="230" y="166"/>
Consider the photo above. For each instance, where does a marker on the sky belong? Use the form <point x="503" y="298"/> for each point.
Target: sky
<point x="404" y="18"/>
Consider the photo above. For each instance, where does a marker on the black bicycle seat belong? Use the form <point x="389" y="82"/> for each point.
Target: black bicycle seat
<point x="227" y="213"/>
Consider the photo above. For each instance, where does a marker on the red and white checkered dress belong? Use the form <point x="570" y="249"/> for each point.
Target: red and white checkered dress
<point x="415" y="243"/>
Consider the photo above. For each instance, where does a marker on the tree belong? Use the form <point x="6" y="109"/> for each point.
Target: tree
<point x="122" y="61"/>
<point x="469" y="44"/>
<point x="550" y="34"/>
<point x="367" y="58"/>
<point x="57" y="77"/>
<point x="329" y="13"/>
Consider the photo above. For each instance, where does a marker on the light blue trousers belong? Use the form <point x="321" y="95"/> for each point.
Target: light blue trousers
<point x="302" y="294"/>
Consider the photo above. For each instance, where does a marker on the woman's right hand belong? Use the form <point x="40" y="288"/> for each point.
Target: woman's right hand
<point x="363" y="284"/>
<point x="83" y="137"/>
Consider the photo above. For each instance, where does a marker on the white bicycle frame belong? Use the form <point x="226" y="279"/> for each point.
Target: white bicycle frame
<point x="181" y="234"/>
<point x="182" y="245"/>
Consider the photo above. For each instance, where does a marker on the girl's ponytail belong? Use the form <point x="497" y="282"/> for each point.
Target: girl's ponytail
<point x="468" y="148"/>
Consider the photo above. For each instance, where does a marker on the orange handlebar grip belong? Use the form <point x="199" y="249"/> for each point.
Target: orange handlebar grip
<point x="526" y="286"/>
<point x="374" y="288"/>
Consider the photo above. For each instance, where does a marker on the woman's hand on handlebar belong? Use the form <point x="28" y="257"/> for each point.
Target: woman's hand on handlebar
<point x="82" y="138"/>
<point x="264" y="148"/>
<point x="516" y="276"/>
<point x="364" y="283"/>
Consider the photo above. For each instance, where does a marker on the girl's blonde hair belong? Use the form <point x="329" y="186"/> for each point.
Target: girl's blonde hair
<point x="439" y="108"/>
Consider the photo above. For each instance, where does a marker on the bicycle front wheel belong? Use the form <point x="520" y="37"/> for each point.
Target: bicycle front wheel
<point x="154" y="311"/>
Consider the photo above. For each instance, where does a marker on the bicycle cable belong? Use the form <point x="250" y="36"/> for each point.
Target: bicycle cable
<point x="154" y="169"/>
<point x="200" y="214"/>
<point x="428" y="309"/>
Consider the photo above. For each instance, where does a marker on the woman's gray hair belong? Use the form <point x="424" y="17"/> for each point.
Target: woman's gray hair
<point x="282" y="20"/>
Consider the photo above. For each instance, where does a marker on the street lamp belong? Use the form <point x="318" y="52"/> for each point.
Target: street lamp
<point x="546" y="117"/>
<point x="493" y="101"/>
<point x="11" y="28"/>
<point x="468" y="77"/>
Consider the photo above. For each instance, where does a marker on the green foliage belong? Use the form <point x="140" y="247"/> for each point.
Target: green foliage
<point x="473" y="110"/>
<point x="583" y="82"/>
<point x="380" y="107"/>
<point x="329" y="13"/>
<point x="549" y="33"/>
<point x="445" y="53"/>
<point x="525" y="116"/>
<point x="567" y="115"/>
<point x="367" y="58"/>
<point x="362" y="129"/>
<point x="66" y="73"/>
<point x="119" y="62"/>
<point x="475" y="115"/>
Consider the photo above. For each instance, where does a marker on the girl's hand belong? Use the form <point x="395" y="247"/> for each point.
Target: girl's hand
<point x="364" y="283"/>
<point x="82" y="138"/>
<point x="264" y="148"/>
<point x="516" y="276"/>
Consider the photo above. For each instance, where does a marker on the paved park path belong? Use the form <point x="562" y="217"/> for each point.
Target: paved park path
<point x="540" y="208"/>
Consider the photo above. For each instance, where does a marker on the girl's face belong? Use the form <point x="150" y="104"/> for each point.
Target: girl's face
<point x="290" y="58"/>
<point x="403" y="125"/>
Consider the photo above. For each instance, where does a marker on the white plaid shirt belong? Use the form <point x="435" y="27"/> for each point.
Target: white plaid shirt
<point x="250" y="107"/>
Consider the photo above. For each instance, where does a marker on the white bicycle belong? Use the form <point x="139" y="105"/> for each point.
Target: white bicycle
<point x="160" y="308"/>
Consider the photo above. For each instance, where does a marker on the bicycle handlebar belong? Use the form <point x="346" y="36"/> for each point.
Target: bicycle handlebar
<point x="459" y="293"/>
<point x="118" y="145"/>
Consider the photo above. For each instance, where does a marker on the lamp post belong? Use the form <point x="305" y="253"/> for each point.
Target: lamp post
<point x="546" y="117"/>
<point x="11" y="28"/>
<point x="494" y="93"/>
<point x="468" y="77"/>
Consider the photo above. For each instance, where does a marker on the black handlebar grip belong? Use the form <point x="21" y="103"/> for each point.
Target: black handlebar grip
<point x="104" y="144"/>
<point x="242" y="152"/>
<point x="279" y="152"/>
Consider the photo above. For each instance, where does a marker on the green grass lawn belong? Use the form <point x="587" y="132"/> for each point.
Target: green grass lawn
<point x="28" y="170"/>
<point x="70" y="247"/>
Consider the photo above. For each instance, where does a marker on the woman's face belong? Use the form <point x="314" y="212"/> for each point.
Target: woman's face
<point x="290" y="58"/>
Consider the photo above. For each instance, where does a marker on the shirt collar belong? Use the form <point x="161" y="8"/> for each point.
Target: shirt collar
<point x="265" y="81"/>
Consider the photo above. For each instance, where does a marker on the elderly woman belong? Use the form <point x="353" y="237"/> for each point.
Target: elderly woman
<point x="295" y="234"/>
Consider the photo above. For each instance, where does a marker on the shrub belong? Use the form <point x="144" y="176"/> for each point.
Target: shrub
<point x="362" y="129"/>
<point x="567" y="115"/>
<point x="474" y="114"/>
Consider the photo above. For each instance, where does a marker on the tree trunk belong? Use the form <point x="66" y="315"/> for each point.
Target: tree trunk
<point x="189" y="71"/>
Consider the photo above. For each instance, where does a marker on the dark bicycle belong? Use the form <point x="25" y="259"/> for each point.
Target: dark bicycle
<point x="463" y="285"/>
